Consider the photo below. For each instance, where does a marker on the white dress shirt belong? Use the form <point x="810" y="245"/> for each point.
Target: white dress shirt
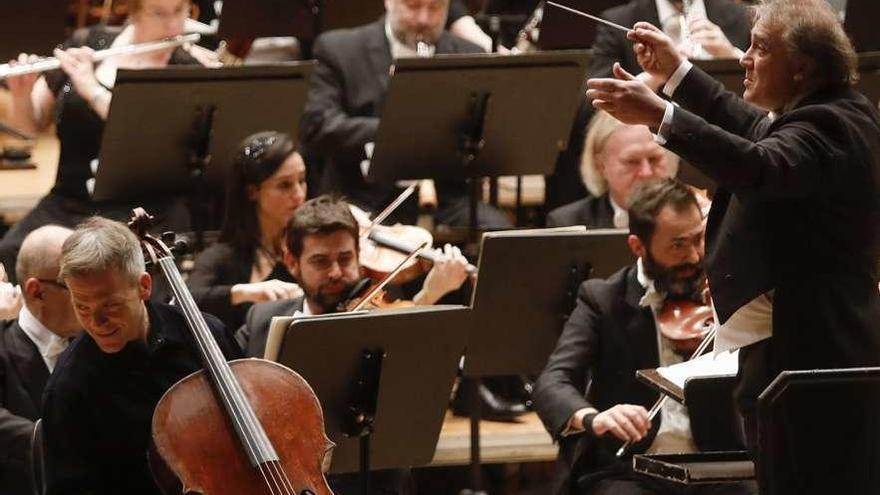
<point x="753" y="322"/>
<point x="48" y="344"/>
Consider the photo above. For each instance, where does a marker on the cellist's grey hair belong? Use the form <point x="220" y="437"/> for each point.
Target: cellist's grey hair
<point x="98" y="245"/>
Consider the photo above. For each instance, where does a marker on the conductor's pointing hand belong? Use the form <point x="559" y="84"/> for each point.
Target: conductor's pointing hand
<point x="627" y="99"/>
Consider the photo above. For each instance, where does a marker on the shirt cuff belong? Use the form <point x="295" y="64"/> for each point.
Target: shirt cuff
<point x="676" y="77"/>
<point x="575" y="423"/>
<point x="661" y="137"/>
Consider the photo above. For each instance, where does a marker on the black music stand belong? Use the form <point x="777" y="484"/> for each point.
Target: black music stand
<point x="491" y="115"/>
<point x="538" y="272"/>
<point x="526" y="288"/>
<point x="176" y="130"/>
<point x="35" y="26"/>
<point x="383" y="379"/>
<point x="563" y="30"/>
<point x="303" y="19"/>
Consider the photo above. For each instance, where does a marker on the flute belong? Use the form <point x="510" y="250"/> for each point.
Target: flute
<point x="9" y="70"/>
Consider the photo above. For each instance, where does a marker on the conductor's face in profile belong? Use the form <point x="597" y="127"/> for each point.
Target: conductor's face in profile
<point x="327" y="268"/>
<point x="774" y="76"/>
<point x="673" y="255"/>
<point x="417" y="20"/>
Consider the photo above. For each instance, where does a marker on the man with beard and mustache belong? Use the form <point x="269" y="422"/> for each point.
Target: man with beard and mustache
<point x="347" y="89"/>
<point x="322" y="254"/>
<point x="612" y="333"/>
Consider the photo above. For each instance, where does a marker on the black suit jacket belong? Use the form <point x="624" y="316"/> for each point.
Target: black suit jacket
<point x="797" y="211"/>
<point x="592" y="212"/>
<point x="606" y="339"/>
<point x="253" y="334"/>
<point x="612" y="46"/>
<point x="24" y="375"/>
<point x="344" y="104"/>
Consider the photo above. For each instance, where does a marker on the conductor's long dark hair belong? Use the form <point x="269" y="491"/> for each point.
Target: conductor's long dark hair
<point x="259" y="156"/>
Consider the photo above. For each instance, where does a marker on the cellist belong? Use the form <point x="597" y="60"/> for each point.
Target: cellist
<point x="99" y="402"/>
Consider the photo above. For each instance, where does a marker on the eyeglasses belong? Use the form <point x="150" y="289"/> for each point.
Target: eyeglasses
<point x="56" y="283"/>
<point x="255" y="149"/>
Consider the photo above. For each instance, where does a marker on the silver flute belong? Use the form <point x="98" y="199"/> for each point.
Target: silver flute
<point x="42" y="65"/>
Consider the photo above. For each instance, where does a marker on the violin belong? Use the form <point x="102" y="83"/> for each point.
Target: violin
<point x="245" y="426"/>
<point x="383" y="248"/>
<point x="369" y="295"/>
<point x="686" y="323"/>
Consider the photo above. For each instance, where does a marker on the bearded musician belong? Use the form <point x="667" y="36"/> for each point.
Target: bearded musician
<point x="612" y="333"/>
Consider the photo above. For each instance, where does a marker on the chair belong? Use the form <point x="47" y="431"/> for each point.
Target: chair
<point x="38" y="474"/>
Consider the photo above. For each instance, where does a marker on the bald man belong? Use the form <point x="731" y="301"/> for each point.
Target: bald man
<point x="29" y="348"/>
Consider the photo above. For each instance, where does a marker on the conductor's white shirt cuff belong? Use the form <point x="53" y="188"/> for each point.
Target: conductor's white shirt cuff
<point x="660" y="138"/>
<point x="676" y="77"/>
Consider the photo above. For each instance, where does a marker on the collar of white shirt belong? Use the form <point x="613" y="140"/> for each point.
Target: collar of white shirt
<point x="48" y="344"/>
<point x="621" y="216"/>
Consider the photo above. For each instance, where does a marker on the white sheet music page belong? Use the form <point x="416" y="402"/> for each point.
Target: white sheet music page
<point x="709" y="364"/>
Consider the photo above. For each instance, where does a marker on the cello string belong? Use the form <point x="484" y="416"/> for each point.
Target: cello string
<point x="186" y="304"/>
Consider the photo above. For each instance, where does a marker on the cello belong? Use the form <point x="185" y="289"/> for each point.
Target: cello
<point x="246" y="426"/>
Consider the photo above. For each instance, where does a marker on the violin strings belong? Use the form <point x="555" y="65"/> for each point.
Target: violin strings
<point x="186" y="305"/>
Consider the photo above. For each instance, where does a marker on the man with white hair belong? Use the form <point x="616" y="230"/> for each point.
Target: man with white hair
<point x="98" y="405"/>
<point x="29" y="348"/>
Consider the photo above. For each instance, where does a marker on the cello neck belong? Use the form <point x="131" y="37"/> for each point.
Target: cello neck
<point x="247" y="427"/>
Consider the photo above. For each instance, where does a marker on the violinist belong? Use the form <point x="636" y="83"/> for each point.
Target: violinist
<point x="322" y="253"/>
<point x="76" y="99"/>
<point x="98" y="404"/>
<point x="265" y="186"/>
<point x="611" y="333"/>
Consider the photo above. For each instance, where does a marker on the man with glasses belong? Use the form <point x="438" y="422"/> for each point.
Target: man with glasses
<point x="29" y="348"/>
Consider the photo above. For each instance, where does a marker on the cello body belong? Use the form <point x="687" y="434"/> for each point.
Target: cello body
<point x="195" y="449"/>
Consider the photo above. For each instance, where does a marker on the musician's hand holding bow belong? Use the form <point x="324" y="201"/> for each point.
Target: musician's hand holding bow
<point x="627" y="422"/>
<point x="627" y="99"/>
<point x="447" y="275"/>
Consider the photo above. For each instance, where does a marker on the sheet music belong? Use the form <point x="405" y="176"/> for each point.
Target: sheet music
<point x="709" y="364"/>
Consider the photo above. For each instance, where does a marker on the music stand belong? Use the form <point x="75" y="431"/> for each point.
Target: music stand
<point x="562" y="30"/>
<point x="419" y="350"/>
<point x="526" y="311"/>
<point x="176" y="130"/>
<point x="549" y="267"/>
<point x="491" y="115"/>
<point x="303" y="19"/>
<point x="35" y="26"/>
<point x="797" y="451"/>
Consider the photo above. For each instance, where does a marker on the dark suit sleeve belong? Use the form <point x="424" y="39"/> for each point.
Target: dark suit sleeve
<point x="327" y="128"/>
<point x="253" y="334"/>
<point x="786" y="163"/>
<point x="15" y="442"/>
<point x="559" y="391"/>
